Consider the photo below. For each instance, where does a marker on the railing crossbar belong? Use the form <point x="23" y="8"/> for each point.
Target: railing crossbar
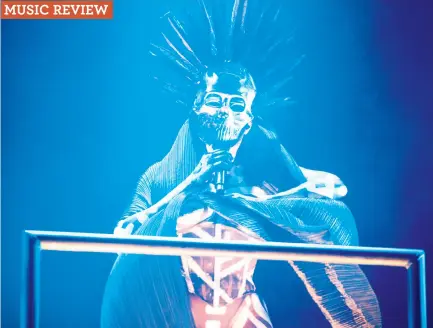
<point x="36" y="241"/>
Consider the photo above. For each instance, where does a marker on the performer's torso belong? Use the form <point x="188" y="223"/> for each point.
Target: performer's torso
<point x="217" y="280"/>
<point x="222" y="288"/>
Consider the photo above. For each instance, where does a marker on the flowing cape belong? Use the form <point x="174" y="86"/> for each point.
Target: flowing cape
<point x="150" y="291"/>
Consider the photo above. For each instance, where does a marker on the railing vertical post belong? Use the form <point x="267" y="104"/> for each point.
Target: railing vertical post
<point x="30" y="276"/>
<point x="417" y="301"/>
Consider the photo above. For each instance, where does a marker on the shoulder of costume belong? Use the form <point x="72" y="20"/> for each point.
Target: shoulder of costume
<point x="180" y="147"/>
<point x="324" y="183"/>
<point x="176" y="165"/>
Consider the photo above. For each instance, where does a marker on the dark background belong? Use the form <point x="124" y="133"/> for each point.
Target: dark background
<point x="81" y="120"/>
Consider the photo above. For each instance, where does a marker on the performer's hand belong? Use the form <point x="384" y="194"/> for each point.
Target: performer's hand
<point x="123" y="231"/>
<point x="130" y="224"/>
<point x="124" y="228"/>
<point x="210" y="163"/>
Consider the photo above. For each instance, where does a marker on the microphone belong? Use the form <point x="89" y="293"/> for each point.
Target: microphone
<point x="220" y="178"/>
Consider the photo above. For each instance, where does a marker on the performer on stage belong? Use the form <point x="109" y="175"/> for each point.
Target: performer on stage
<point x="227" y="177"/>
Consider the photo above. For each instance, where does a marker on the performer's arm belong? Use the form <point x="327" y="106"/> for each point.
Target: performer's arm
<point x="141" y="201"/>
<point x="142" y="208"/>
<point x="316" y="184"/>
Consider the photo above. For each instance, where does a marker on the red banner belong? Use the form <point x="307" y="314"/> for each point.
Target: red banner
<point x="57" y="10"/>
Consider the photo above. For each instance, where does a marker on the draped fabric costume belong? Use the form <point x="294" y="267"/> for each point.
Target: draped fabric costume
<point x="150" y="291"/>
<point x="268" y="197"/>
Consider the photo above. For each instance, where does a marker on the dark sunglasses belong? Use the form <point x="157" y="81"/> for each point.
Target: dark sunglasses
<point x="216" y="100"/>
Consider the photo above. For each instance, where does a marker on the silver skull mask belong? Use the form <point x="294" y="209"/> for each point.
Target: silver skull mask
<point x="223" y="106"/>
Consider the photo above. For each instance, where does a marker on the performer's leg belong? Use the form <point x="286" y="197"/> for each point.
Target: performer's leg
<point x="252" y="314"/>
<point x="246" y="312"/>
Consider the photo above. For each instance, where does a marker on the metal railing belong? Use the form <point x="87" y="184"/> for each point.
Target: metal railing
<point x="36" y="241"/>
